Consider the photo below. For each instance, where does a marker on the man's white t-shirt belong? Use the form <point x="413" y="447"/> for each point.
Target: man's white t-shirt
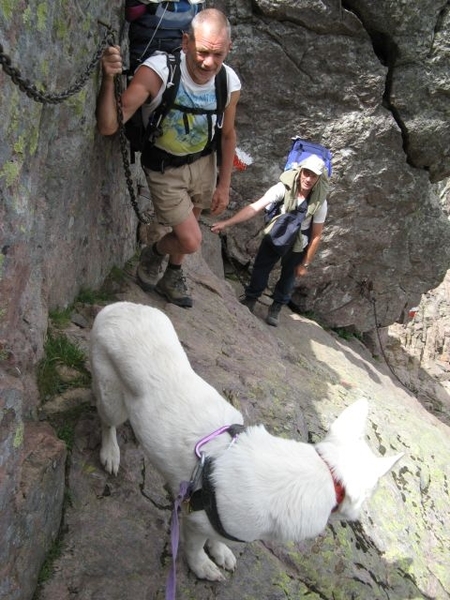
<point x="186" y="133"/>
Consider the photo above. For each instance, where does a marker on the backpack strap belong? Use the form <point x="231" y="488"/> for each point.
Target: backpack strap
<point x="167" y="101"/>
<point x="221" y="83"/>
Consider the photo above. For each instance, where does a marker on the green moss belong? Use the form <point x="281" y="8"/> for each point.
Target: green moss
<point x="89" y="25"/>
<point x="7" y="7"/>
<point x="45" y="68"/>
<point x="27" y="16"/>
<point x="33" y="140"/>
<point x="283" y="582"/>
<point x="4" y="354"/>
<point x="19" y="145"/>
<point x="18" y="436"/>
<point x="10" y="172"/>
<point x="14" y="114"/>
<point x="28" y="141"/>
<point x="78" y="102"/>
<point x="61" y="27"/>
<point x="42" y="16"/>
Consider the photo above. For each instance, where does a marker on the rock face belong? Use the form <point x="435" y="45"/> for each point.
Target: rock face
<point x="62" y="227"/>
<point x="31" y="513"/>
<point x="369" y="80"/>
<point x="332" y="84"/>
<point x="413" y="45"/>
<point x="419" y="350"/>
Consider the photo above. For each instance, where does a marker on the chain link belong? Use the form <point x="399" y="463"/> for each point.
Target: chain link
<point x="124" y="151"/>
<point x="43" y="97"/>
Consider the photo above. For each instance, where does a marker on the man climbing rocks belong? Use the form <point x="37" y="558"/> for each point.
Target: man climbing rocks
<point x="181" y="168"/>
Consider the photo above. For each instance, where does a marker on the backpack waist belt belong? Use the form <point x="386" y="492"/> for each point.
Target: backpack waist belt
<point x="158" y="160"/>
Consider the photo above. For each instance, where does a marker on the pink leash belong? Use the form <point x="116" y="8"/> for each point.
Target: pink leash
<point x="184" y="493"/>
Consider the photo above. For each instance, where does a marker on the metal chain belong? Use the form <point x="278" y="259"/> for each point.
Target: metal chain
<point x="43" y="97"/>
<point x="124" y="151"/>
<point x="372" y="299"/>
<point x="366" y="291"/>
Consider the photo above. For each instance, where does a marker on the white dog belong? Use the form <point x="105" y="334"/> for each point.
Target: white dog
<point x="253" y="485"/>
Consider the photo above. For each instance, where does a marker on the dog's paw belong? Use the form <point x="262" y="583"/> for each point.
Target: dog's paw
<point x="110" y="451"/>
<point x="204" y="568"/>
<point x="221" y="554"/>
<point x="110" y="460"/>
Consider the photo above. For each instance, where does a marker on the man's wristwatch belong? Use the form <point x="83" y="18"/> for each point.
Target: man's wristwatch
<point x="305" y="265"/>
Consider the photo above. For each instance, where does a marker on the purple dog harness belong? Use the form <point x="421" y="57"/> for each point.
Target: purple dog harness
<point x="197" y="500"/>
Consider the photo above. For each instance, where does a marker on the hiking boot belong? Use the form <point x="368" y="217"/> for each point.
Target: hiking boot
<point x="149" y="269"/>
<point x="273" y="314"/>
<point x="173" y="287"/>
<point x="249" y="303"/>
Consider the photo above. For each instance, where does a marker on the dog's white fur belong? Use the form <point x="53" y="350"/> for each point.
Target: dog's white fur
<point x="267" y="487"/>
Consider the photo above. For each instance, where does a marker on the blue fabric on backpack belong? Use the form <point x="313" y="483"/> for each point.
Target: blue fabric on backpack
<point x="301" y="149"/>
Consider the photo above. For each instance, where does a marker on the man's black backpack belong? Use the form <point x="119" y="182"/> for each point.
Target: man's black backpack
<point x="157" y="25"/>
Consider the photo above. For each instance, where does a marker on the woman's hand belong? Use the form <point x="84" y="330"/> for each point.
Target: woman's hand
<point x="301" y="270"/>
<point x="219" y="227"/>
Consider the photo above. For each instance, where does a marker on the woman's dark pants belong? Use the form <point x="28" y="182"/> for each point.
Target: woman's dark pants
<point x="265" y="261"/>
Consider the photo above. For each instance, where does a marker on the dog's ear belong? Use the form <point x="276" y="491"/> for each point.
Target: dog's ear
<point x="351" y="423"/>
<point x="386" y="463"/>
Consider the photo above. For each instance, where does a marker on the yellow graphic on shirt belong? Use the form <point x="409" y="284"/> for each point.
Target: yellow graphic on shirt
<point x="184" y="132"/>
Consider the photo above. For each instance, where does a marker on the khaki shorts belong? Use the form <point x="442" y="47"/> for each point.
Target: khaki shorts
<point x="176" y="191"/>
